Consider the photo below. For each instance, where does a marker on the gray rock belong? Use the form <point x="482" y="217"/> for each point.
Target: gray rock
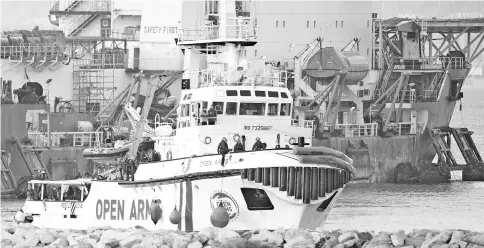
<point x="214" y="243"/>
<point x="201" y="237"/>
<point x="84" y="245"/>
<point x="195" y="244"/>
<point x="471" y="245"/>
<point x="211" y="232"/>
<point x="130" y="241"/>
<point x="46" y="237"/>
<point x="97" y="228"/>
<point x="456" y="236"/>
<point x="331" y="242"/>
<point x="27" y="226"/>
<point x="226" y="235"/>
<point x="6" y="243"/>
<point x="415" y="241"/>
<point x="474" y="237"/>
<point x="441" y="246"/>
<point x="350" y="243"/>
<point x="87" y="238"/>
<point x="407" y="246"/>
<point x="10" y="229"/>
<point x="398" y="239"/>
<point x="22" y="232"/>
<point x="15" y="239"/>
<point x="421" y="233"/>
<point x="112" y="237"/>
<point x="346" y="236"/>
<point x="275" y="238"/>
<point x="71" y="238"/>
<point x="381" y="240"/>
<point x="32" y="240"/>
<point x="101" y="245"/>
<point x="60" y="242"/>
<point x="340" y="246"/>
<point x="439" y="239"/>
<point x="365" y="236"/>
<point x="248" y="234"/>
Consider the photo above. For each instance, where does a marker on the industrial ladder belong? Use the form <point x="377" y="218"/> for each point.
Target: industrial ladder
<point x="439" y="78"/>
<point x="384" y="81"/>
<point x="464" y="141"/>
<point x="8" y="180"/>
<point x="32" y="159"/>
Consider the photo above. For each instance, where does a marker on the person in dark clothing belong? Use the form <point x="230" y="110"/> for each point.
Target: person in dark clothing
<point x="212" y="116"/>
<point x="204" y="116"/>
<point x="223" y="149"/>
<point x="257" y="145"/>
<point x="239" y="147"/>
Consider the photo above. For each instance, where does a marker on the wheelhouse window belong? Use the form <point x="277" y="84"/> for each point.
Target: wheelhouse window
<point x="219" y="107"/>
<point x="231" y="108"/>
<point x="260" y="93"/>
<point x="245" y="93"/>
<point x="285" y="109"/>
<point x="231" y="93"/>
<point x="284" y="95"/>
<point x="273" y="94"/>
<point x="272" y="109"/>
<point x="252" y="109"/>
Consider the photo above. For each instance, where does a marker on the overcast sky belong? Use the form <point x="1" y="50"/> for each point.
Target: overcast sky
<point x="21" y="14"/>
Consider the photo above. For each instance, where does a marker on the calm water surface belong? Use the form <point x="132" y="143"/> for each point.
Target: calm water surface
<point x="392" y="207"/>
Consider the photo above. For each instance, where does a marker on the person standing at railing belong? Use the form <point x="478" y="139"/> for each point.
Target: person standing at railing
<point x="315" y="120"/>
<point x="257" y="145"/>
<point x="239" y="147"/>
<point x="204" y="116"/>
<point x="223" y="148"/>
<point x="212" y="116"/>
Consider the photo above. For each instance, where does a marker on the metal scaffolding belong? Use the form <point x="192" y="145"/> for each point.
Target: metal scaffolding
<point x="94" y="71"/>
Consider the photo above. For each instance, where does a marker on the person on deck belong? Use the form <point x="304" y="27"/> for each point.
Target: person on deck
<point x="257" y="145"/>
<point x="239" y="147"/>
<point x="223" y="149"/>
<point x="204" y="116"/>
<point x="212" y="116"/>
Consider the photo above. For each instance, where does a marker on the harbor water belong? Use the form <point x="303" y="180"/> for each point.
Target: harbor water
<point x="392" y="207"/>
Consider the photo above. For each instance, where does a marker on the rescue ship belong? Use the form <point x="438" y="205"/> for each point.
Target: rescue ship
<point x="243" y="166"/>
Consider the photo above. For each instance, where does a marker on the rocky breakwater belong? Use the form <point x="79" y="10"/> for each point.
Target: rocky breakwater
<point x="25" y="235"/>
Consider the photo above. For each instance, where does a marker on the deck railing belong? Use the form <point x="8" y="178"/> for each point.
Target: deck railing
<point x="411" y="96"/>
<point x="358" y="130"/>
<point x="103" y="60"/>
<point x="428" y="63"/>
<point x="28" y="51"/>
<point x="405" y="128"/>
<point x="110" y="33"/>
<point x="91" y="5"/>
<point x="154" y="64"/>
<point x="263" y="124"/>
<point x="63" y="139"/>
<point x="241" y="29"/>
<point x="264" y="77"/>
